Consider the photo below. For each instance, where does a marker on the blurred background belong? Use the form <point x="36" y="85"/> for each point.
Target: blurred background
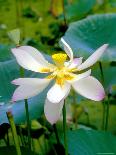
<point x="42" y="22"/>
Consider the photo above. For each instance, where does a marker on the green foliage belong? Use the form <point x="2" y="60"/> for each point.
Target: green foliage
<point x="112" y="3"/>
<point x="78" y="9"/>
<point x="90" y="142"/>
<point x="5" y="53"/>
<point x="11" y="151"/>
<point x="87" y="35"/>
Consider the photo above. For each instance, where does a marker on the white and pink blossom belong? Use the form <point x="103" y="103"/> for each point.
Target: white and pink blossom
<point x="65" y="73"/>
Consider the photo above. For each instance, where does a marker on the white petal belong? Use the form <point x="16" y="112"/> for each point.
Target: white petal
<point x="28" y="87"/>
<point x="34" y="53"/>
<point x="90" y="88"/>
<point x="75" y="63"/>
<point x="53" y="111"/>
<point x="57" y="93"/>
<point x="67" y="49"/>
<point x="31" y="60"/>
<point x="93" y="58"/>
<point x="80" y="76"/>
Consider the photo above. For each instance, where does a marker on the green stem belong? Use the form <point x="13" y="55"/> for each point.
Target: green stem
<point x="102" y="74"/>
<point x="22" y="20"/>
<point x="105" y="6"/>
<point x="104" y="114"/>
<point x="64" y="13"/>
<point x="56" y="133"/>
<point x="64" y="129"/>
<point x="28" y="123"/>
<point x="14" y="133"/>
<point x="103" y="102"/>
<point x="27" y="113"/>
<point x="75" y="110"/>
<point x="22" y="73"/>
<point x="17" y="14"/>
<point x="107" y="113"/>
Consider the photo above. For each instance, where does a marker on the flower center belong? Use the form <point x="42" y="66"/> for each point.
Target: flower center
<point x="61" y="73"/>
<point x="62" y="76"/>
<point x="59" y="59"/>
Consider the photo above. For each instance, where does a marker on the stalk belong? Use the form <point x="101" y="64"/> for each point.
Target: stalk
<point x="56" y="133"/>
<point x="28" y="123"/>
<point x="65" y="129"/>
<point x="64" y="13"/>
<point x="107" y="113"/>
<point x="27" y="113"/>
<point x="103" y="102"/>
<point x="74" y="110"/>
<point x="17" y="14"/>
<point x="14" y="133"/>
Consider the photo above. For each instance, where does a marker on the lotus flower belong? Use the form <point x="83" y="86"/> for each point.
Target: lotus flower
<point x="65" y="73"/>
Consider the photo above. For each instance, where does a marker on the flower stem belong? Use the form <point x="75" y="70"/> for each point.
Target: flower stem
<point x="27" y="113"/>
<point x="56" y="133"/>
<point x="64" y="129"/>
<point x="75" y="110"/>
<point x="107" y="113"/>
<point x="103" y="102"/>
<point x="14" y="133"/>
<point x="64" y="13"/>
<point x="104" y="114"/>
<point x="28" y="123"/>
<point x="22" y="73"/>
<point x="102" y="74"/>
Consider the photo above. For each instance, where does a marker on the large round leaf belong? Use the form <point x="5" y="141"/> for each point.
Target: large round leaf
<point x="5" y="53"/>
<point x="9" y="70"/>
<point x="87" y="35"/>
<point x="90" y="142"/>
<point x="78" y="9"/>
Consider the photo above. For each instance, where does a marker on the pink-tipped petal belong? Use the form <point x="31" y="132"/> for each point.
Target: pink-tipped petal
<point x="57" y="93"/>
<point x="75" y="63"/>
<point x="90" y="88"/>
<point x="30" y="59"/>
<point x="93" y="58"/>
<point x="28" y="87"/>
<point x="53" y="111"/>
<point x="67" y="49"/>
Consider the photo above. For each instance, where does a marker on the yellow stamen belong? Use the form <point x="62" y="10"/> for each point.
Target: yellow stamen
<point x="60" y="81"/>
<point x="68" y="76"/>
<point x="59" y="58"/>
<point x="73" y="70"/>
<point x="50" y="76"/>
<point x="44" y="70"/>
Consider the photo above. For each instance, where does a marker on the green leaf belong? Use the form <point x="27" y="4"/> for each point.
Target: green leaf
<point x="12" y="151"/>
<point x="90" y="142"/>
<point x="78" y="9"/>
<point x="5" y="53"/>
<point x="112" y="3"/>
<point x="9" y="70"/>
<point x="87" y="35"/>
